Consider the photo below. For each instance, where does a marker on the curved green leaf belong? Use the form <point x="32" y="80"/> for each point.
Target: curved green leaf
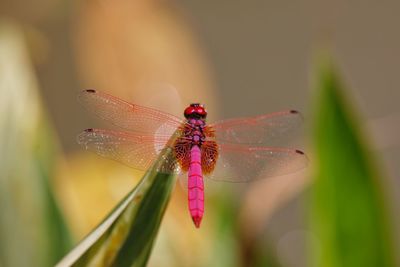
<point x="126" y="236"/>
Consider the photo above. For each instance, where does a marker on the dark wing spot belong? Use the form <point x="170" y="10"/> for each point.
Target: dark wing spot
<point x="294" y="111"/>
<point x="91" y="91"/>
<point x="299" y="152"/>
<point x="89" y="130"/>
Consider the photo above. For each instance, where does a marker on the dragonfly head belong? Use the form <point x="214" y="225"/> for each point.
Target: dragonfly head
<point x="196" y="111"/>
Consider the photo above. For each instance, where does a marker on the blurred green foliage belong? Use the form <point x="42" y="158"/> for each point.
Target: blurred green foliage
<point x="231" y="246"/>
<point x="348" y="213"/>
<point x="32" y="230"/>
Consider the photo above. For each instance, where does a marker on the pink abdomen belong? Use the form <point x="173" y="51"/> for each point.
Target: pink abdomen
<point x="195" y="186"/>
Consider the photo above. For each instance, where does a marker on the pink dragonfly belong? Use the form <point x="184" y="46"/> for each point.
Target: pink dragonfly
<point x="231" y="150"/>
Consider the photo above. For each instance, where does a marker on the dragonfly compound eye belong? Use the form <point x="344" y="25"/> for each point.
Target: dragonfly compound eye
<point x="201" y="111"/>
<point x="189" y="111"/>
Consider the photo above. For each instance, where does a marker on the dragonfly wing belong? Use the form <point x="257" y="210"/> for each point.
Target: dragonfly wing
<point x="240" y="163"/>
<point x="275" y="129"/>
<point x="136" y="151"/>
<point x="129" y="116"/>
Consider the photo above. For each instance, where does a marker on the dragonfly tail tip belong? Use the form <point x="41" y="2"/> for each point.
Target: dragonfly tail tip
<point x="197" y="221"/>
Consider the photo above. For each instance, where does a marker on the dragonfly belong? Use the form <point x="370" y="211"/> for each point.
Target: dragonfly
<point x="232" y="150"/>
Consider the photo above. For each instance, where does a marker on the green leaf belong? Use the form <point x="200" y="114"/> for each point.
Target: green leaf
<point x="348" y="211"/>
<point x="126" y="236"/>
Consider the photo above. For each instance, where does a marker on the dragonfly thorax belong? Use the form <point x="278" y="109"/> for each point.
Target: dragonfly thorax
<point x="195" y="131"/>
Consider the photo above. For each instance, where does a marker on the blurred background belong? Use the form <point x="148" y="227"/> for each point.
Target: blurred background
<point x="240" y="58"/>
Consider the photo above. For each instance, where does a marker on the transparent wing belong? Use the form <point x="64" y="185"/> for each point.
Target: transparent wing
<point x="275" y="129"/>
<point x="134" y="150"/>
<point x="129" y="116"/>
<point x="240" y="163"/>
